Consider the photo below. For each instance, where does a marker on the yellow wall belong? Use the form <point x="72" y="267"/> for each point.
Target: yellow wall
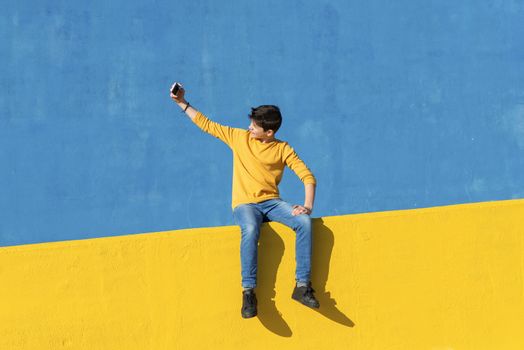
<point x="438" y="278"/>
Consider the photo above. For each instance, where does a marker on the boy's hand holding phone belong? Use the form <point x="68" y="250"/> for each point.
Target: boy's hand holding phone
<point x="177" y="93"/>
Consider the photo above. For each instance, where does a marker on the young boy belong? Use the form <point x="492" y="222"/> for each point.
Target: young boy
<point x="258" y="165"/>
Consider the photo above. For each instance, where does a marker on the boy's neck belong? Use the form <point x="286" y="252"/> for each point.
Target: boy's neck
<point x="268" y="140"/>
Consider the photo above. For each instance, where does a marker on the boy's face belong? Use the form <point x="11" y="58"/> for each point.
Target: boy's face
<point x="257" y="132"/>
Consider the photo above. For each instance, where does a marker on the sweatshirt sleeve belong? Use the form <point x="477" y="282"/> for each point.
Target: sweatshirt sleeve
<point x="296" y="164"/>
<point x="224" y="133"/>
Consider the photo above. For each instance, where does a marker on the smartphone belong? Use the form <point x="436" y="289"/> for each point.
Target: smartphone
<point x="175" y="88"/>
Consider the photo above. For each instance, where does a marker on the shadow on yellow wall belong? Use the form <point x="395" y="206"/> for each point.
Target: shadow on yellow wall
<point x="270" y="253"/>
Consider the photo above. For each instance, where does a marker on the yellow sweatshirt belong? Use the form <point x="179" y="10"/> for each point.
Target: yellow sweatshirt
<point x="257" y="167"/>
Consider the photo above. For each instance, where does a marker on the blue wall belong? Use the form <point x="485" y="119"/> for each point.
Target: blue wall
<point x="393" y="105"/>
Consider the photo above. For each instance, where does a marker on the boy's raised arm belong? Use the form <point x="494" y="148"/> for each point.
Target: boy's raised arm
<point x="222" y="132"/>
<point x="190" y="111"/>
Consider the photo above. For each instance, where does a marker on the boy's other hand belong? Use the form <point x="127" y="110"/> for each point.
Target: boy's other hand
<point x="179" y="97"/>
<point x="299" y="209"/>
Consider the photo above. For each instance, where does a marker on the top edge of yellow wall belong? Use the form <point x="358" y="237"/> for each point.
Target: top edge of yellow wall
<point x="233" y="229"/>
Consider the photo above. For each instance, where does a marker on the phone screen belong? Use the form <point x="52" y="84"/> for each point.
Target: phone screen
<point x="175" y="88"/>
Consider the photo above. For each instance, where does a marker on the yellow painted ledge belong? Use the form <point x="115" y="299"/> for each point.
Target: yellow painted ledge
<point x="438" y="278"/>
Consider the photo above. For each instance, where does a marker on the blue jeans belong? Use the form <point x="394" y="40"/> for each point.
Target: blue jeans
<point x="251" y="216"/>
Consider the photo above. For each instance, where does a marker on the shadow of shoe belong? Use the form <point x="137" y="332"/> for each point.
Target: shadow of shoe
<point x="271" y="249"/>
<point x="323" y="241"/>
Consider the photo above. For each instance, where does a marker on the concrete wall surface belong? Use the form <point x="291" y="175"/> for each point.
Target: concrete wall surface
<point x="438" y="278"/>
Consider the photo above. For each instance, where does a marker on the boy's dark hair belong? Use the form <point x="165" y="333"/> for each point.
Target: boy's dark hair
<point x="268" y="117"/>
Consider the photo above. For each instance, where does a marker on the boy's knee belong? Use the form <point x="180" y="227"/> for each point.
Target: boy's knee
<point x="249" y="230"/>
<point x="303" y="221"/>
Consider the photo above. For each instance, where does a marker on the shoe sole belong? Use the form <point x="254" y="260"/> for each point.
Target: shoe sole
<point x="300" y="301"/>
<point x="244" y="315"/>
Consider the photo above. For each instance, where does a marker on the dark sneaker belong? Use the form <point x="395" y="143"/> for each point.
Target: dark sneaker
<point x="305" y="296"/>
<point x="249" y="303"/>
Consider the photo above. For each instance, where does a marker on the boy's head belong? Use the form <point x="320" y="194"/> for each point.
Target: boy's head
<point x="265" y="121"/>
